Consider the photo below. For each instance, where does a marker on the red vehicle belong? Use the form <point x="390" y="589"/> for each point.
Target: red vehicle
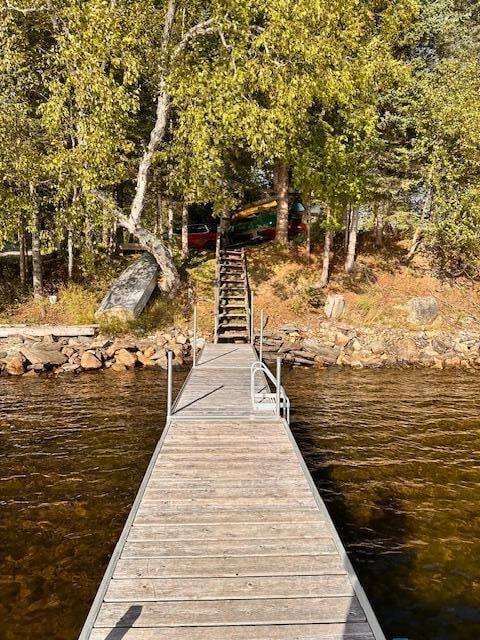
<point x="201" y="237"/>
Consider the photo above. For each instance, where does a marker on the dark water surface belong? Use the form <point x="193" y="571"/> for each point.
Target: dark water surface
<point x="395" y="454"/>
<point x="396" y="457"/>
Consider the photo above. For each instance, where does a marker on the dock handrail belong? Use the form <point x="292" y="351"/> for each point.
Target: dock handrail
<point x="248" y="299"/>
<point x="265" y="399"/>
<point x="216" y="310"/>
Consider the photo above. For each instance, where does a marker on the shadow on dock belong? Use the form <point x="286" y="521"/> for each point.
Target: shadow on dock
<point x="125" y="623"/>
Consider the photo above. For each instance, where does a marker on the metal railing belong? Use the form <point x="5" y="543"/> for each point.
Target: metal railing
<point x="216" y="310"/>
<point x="194" y="346"/>
<point x="260" y="346"/>
<point x="248" y="299"/>
<point x="170" y="355"/>
<point x="169" y="383"/>
<point x="264" y="400"/>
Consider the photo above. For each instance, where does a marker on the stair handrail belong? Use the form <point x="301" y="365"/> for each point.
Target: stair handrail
<point x="248" y="298"/>
<point x="282" y="401"/>
<point x="217" y="285"/>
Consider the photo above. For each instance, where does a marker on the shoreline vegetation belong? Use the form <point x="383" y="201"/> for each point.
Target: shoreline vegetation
<point x="390" y="315"/>
<point x="133" y="123"/>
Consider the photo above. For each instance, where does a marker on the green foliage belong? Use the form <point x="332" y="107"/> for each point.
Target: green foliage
<point x="371" y="104"/>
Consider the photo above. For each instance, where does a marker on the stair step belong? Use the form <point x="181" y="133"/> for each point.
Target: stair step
<point x="237" y="300"/>
<point x="234" y="334"/>
<point x="235" y="290"/>
<point x="242" y="314"/>
<point x="232" y="295"/>
<point x="229" y="305"/>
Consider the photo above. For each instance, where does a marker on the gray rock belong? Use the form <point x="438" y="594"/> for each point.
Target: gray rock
<point x="423" y="310"/>
<point x="70" y="368"/>
<point x="307" y="355"/>
<point x="44" y="354"/>
<point x="289" y="328"/>
<point x="334" y="306"/>
<point x="327" y="355"/>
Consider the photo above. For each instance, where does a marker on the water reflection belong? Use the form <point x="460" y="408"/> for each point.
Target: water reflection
<point x="396" y="457"/>
<point x="394" y="454"/>
<point x="73" y="451"/>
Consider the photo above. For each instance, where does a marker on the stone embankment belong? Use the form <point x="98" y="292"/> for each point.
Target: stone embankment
<point x="337" y="345"/>
<point x="27" y="356"/>
<point x="331" y="344"/>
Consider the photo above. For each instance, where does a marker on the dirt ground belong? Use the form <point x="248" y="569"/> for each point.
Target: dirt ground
<point x="283" y="282"/>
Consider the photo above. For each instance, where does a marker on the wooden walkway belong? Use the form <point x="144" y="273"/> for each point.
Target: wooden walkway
<point x="228" y="538"/>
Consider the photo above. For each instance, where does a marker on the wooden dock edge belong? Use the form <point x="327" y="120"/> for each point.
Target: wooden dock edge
<point x="102" y="589"/>
<point x="357" y="587"/>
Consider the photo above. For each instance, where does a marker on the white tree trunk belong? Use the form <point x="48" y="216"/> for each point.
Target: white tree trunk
<point x="378" y="216"/>
<point x="281" y="193"/>
<point x="70" y="252"/>
<point x="352" y="240"/>
<point x="37" y="271"/>
<point x="132" y="222"/>
<point x="156" y="136"/>
<point x="22" y="253"/>
<point x="327" y="247"/>
<point x="184" y="232"/>
<point x="170" y="211"/>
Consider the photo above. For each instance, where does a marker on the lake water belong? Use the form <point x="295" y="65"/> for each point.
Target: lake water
<point x="395" y="455"/>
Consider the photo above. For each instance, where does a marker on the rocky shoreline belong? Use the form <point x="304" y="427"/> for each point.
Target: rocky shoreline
<point x="335" y="344"/>
<point x="331" y="344"/>
<point x="22" y="355"/>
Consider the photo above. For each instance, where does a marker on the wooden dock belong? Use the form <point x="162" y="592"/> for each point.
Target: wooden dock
<point x="228" y="538"/>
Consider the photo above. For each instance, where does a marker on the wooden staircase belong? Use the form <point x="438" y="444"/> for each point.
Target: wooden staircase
<point x="232" y="313"/>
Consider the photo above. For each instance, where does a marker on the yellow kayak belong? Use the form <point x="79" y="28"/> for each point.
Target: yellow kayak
<point x="253" y="209"/>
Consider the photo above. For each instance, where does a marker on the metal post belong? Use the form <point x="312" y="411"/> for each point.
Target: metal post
<point x="169" y="383"/>
<point x="279" y="382"/>
<point x="261" y="336"/>
<point x="195" y="335"/>
<point x="252" y="321"/>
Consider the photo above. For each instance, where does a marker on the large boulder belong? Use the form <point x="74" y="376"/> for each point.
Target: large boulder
<point x="47" y="355"/>
<point x="89" y="361"/>
<point x="127" y="358"/>
<point x="15" y="366"/>
<point x="423" y="310"/>
<point x="334" y="306"/>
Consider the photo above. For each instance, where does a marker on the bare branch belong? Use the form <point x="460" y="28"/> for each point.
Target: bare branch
<point x="25" y="10"/>
<point x="200" y="29"/>
<point x="229" y="48"/>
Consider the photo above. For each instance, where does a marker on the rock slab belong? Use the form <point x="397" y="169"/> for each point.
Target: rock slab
<point x="131" y="291"/>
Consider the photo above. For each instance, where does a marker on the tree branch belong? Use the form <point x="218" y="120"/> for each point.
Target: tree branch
<point x="200" y="29"/>
<point x="25" y="10"/>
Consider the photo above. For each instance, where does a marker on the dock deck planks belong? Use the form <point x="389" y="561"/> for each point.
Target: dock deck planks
<point x="228" y="538"/>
